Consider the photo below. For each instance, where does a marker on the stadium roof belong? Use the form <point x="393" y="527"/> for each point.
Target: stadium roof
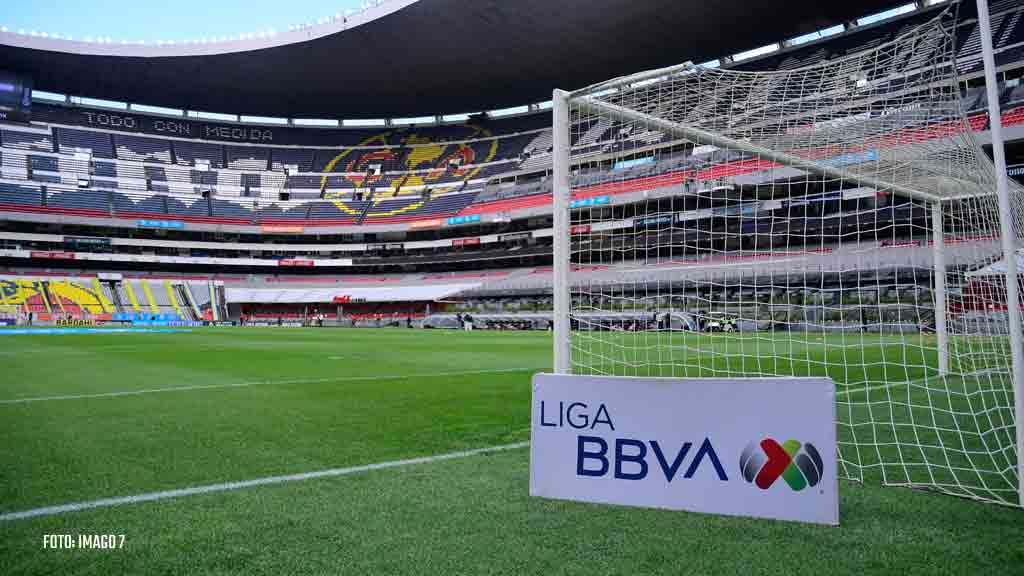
<point x="421" y="57"/>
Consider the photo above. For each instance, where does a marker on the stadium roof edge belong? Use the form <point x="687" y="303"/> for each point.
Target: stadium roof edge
<point x="492" y="54"/>
<point x="215" y="46"/>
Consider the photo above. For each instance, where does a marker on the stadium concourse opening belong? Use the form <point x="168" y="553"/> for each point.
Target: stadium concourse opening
<point x="782" y="284"/>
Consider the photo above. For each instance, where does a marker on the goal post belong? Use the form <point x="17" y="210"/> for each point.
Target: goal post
<point x="941" y="310"/>
<point x="834" y="219"/>
<point x="560" y="248"/>
<point x="1007" y="232"/>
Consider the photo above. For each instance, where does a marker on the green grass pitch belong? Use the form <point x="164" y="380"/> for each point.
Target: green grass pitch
<point x="253" y="403"/>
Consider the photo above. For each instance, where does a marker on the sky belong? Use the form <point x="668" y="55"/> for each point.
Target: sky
<point x="152" y="20"/>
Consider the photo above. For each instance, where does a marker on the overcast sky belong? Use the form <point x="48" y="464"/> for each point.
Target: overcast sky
<point x="153" y="20"/>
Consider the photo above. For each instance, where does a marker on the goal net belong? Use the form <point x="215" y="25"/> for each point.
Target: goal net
<point x="838" y="219"/>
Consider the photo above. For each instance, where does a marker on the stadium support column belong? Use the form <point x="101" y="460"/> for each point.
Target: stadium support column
<point x="1009" y="236"/>
<point x="939" y="257"/>
<point x="560" y="193"/>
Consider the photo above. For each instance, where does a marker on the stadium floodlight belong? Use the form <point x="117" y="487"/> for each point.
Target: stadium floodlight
<point x="855" y="229"/>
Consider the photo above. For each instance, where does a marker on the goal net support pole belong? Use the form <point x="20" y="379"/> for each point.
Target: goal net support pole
<point x="1009" y="236"/>
<point x="562" y="334"/>
<point x="939" y="257"/>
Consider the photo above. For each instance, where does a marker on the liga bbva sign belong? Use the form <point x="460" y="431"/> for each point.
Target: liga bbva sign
<point x="762" y="447"/>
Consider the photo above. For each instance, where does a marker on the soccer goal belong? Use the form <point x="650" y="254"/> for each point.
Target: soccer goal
<point x="838" y="219"/>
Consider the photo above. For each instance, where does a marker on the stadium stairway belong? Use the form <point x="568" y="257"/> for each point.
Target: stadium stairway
<point x="153" y="306"/>
<point x="366" y="207"/>
<point x="105" y="302"/>
<point x="184" y="296"/>
<point x="127" y="287"/>
<point x="44" y="293"/>
<point x="172" y="300"/>
<point x="49" y="294"/>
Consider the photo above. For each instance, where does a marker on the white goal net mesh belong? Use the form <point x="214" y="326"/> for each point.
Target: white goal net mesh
<point x="806" y="222"/>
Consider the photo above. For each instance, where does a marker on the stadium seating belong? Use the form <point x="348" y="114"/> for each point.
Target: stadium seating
<point x="247" y="157"/>
<point x="187" y="152"/>
<point x="392" y="168"/>
<point x="251" y="197"/>
<point x="100" y="144"/>
<point x="302" y="158"/>
<point x="143" y="149"/>
<point x="1007" y="29"/>
<point x="26" y="140"/>
<point x="15" y="195"/>
<point x="64" y="296"/>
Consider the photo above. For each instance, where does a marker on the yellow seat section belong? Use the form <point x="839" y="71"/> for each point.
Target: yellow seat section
<point x="82" y="296"/>
<point x="397" y="211"/>
<point x="17" y="292"/>
<point x="149" y="297"/>
<point x="131" y="296"/>
<point x="174" y="301"/>
<point x="7" y="306"/>
<point x="423" y="151"/>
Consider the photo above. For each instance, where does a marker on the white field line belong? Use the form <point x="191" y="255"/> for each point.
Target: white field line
<point x="75" y="351"/>
<point x="228" y="486"/>
<point x="973" y="374"/>
<point x="119" y="393"/>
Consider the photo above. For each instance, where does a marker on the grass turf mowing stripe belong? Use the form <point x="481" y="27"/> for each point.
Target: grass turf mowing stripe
<point x="196" y="490"/>
<point x="61" y="331"/>
<point x="120" y="393"/>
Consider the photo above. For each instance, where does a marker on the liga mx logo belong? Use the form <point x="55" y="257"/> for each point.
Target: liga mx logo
<point x="763" y="462"/>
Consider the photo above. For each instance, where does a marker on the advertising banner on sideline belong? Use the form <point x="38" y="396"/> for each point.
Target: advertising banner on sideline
<point x="760" y="447"/>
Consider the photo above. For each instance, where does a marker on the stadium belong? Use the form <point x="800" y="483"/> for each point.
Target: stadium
<point x="300" y="300"/>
